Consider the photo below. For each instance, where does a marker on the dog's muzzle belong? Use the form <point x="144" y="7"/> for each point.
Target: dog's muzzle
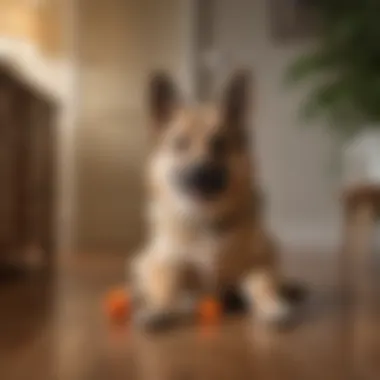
<point x="205" y="180"/>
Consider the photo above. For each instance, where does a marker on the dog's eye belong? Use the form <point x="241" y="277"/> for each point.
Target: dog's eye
<point x="218" y="146"/>
<point x="181" y="143"/>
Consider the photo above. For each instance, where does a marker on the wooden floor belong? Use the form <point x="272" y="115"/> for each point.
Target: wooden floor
<point x="57" y="330"/>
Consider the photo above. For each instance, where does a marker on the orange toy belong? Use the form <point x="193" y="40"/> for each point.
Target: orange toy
<point x="118" y="305"/>
<point x="209" y="310"/>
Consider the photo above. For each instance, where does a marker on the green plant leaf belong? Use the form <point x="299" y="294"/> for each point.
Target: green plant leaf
<point x="343" y="70"/>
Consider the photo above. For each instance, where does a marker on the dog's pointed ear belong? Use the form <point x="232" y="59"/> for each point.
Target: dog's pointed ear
<point x="163" y="98"/>
<point x="237" y="98"/>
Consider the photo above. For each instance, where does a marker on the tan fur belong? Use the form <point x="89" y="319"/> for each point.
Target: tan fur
<point x="244" y="255"/>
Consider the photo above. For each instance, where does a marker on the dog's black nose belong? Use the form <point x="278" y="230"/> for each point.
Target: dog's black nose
<point x="207" y="179"/>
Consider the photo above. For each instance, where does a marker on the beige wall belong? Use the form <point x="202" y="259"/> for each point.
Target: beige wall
<point x="120" y="42"/>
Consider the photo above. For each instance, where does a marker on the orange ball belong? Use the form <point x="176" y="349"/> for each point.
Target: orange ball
<point x="210" y="310"/>
<point x="118" y="305"/>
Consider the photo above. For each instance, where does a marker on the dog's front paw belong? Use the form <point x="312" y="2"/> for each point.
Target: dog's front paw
<point x="278" y="313"/>
<point x="153" y="320"/>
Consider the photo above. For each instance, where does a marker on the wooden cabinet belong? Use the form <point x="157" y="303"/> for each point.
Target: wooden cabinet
<point x="27" y="171"/>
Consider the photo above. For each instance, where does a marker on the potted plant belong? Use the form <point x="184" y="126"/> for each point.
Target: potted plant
<point x="343" y="69"/>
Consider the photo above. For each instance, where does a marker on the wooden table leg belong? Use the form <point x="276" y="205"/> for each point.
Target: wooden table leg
<point x="360" y="237"/>
<point x="357" y="284"/>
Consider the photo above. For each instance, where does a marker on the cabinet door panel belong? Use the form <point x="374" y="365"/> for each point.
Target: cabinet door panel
<point x="8" y="172"/>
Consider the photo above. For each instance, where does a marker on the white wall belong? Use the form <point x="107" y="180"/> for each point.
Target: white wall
<point x="295" y="162"/>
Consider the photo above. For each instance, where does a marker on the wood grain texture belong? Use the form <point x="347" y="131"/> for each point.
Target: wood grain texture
<point x="56" y="330"/>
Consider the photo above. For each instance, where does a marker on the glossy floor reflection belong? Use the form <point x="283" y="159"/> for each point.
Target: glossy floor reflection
<point x="57" y="330"/>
